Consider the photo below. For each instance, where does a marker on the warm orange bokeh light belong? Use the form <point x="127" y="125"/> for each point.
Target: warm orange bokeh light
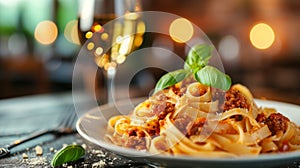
<point x="262" y="36"/>
<point x="181" y="30"/>
<point x="97" y="28"/>
<point x="46" y="32"/>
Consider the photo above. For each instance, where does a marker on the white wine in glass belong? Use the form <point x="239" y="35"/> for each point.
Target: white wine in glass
<point x="122" y="35"/>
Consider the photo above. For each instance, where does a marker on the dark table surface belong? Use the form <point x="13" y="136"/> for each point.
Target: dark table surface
<point x="22" y="116"/>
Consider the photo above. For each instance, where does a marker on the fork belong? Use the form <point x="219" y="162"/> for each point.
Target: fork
<point x="65" y="126"/>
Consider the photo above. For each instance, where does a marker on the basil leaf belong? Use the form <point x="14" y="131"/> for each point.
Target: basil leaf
<point x="198" y="57"/>
<point x="67" y="154"/>
<point x="171" y="79"/>
<point x="211" y="76"/>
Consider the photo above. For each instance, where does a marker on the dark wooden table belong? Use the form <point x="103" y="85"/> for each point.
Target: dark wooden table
<point x="22" y="116"/>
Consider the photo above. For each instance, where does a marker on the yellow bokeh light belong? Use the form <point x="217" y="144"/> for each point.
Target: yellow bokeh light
<point x="114" y="55"/>
<point x="88" y="34"/>
<point x="110" y="65"/>
<point x="131" y="16"/>
<point x="97" y="28"/>
<point x="104" y="36"/>
<point x="106" y="66"/>
<point x="102" y="61"/>
<point x="141" y="28"/>
<point x="262" y="36"/>
<point x="90" y="46"/>
<point x="121" y="59"/>
<point x="46" y="32"/>
<point x="181" y="30"/>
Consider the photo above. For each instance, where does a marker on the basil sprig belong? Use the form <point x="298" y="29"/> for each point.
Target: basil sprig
<point x="198" y="57"/>
<point x="67" y="154"/>
<point x="171" y="79"/>
<point x="196" y="64"/>
<point x="211" y="76"/>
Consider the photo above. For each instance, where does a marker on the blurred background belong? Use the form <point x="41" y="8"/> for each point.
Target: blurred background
<point x="258" y="41"/>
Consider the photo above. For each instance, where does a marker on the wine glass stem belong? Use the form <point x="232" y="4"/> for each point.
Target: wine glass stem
<point x="111" y="73"/>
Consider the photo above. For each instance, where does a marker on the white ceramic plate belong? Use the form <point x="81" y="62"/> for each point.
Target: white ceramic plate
<point x="92" y="126"/>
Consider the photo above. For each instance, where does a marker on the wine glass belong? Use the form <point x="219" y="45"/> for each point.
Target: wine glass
<point x="121" y="35"/>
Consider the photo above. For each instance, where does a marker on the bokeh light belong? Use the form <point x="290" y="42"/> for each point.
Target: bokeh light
<point x="104" y="36"/>
<point x="141" y="28"/>
<point x="101" y="61"/>
<point x="97" y="28"/>
<point x="70" y="32"/>
<point x="90" y="46"/>
<point x="138" y="40"/>
<point x="131" y="16"/>
<point x="229" y="47"/>
<point x="46" y="32"/>
<point x="262" y="36"/>
<point x="120" y="59"/>
<point x="88" y="35"/>
<point x="181" y="30"/>
<point x="119" y="39"/>
<point x="98" y="51"/>
<point x="17" y="44"/>
<point x="110" y="66"/>
<point x="126" y="45"/>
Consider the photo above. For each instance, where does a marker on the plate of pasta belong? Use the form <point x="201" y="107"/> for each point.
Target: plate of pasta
<point x="163" y="129"/>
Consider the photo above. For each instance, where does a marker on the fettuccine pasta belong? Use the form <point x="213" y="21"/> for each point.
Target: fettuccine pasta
<point x="193" y="119"/>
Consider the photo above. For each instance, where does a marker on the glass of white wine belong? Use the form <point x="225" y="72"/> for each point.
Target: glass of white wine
<point x="112" y="24"/>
